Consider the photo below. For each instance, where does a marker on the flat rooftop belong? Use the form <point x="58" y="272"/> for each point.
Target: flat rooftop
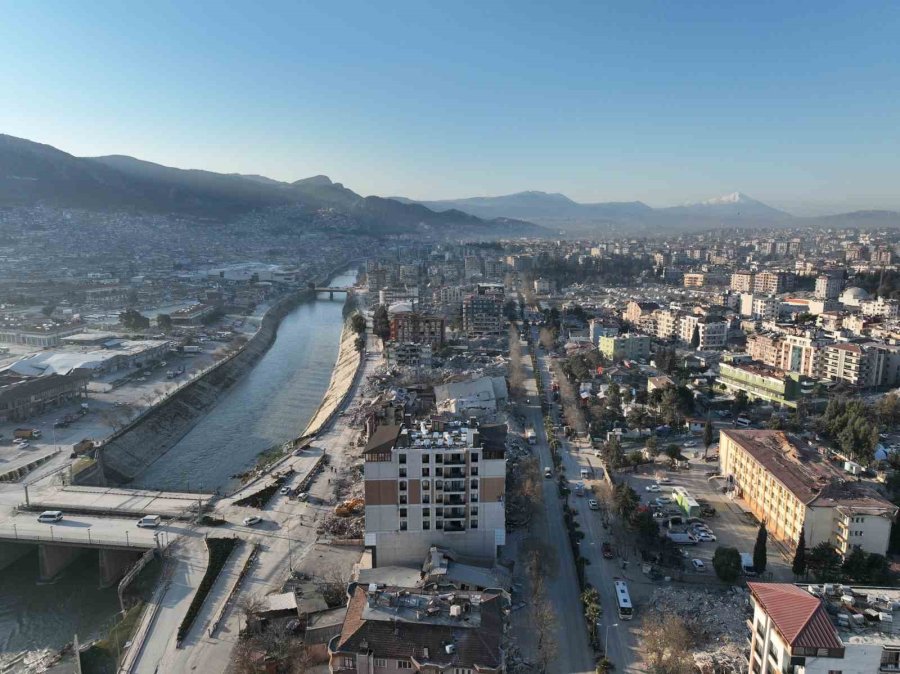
<point x="861" y="614"/>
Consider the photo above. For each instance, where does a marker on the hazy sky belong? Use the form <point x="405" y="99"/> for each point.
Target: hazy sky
<point x="795" y="103"/>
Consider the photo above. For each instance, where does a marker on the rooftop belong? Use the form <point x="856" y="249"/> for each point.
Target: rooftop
<point x="806" y="473"/>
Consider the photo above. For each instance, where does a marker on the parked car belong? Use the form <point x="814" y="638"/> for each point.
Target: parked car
<point x="698" y="564"/>
<point x="149" y="521"/>
<point x="593" y="505"/>
<point x="606" y="549"/>
<point x="706" y="537"/>
<point x="250" y="521"/>
<point x="284" y="491"/>
<point x="303" y="496"/>
<point x="652" y="487"/>
<point x="663" y="501"/>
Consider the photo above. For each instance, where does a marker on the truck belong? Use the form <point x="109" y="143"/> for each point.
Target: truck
<point x="530" y="436"/>
<point x="27" y="433"/>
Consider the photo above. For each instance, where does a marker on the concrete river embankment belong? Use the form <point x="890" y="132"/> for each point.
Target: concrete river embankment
<point x="213" y="429"/>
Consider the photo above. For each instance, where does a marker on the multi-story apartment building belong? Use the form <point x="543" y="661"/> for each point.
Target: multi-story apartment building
<point x="415" y="328"/>
<point x="437" y="483"/>
<point x="694" y="280"/>
<point x="791" y="487"/>
<point x="542" y="286"/>
<point x="483" y="313"/>
<point x="473" y="266"/>
<point x="771" y="282"/>
<point x="393" y="294"/>
<point x="763" y="382"/>
<point x="742" y="282"/>
<point x="880" y="307"/>
<point x="802" y="352"/>
<point x="666" y="323"/>
<point x="625" y="347"/>
<point x="829" y="286"/>
<point x="713" y="332"/>
<point x="861" y="365"/>
<point x="598" y="328"/>
<point x="397" y="630"/>
<point x="760" y="307"/>
<point x="823" y="629"/>
<point x="634" y="310"/>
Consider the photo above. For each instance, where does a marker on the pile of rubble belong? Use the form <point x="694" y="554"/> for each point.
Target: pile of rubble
<point x="343" y="527"/>
<point x="716" y="618"/>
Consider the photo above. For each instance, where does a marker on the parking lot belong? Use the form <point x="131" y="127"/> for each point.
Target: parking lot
<point x="731" y="526"/>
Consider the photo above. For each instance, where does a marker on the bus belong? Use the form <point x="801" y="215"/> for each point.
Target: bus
<point x="623" y="601"/>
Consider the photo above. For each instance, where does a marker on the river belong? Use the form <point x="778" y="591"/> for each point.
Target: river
<point x="269" y="405"/>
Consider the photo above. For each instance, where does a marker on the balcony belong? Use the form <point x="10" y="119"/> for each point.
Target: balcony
<point x="455" y="499"/>
<point x="454" y="473"/>
<point x="454" y="513"/>
<point x="454" y="527"/>
<point x="456" y="487"/>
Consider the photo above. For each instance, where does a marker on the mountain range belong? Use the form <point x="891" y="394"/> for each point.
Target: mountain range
<point x="32" y="173"/>
<point x="559" y="212"/>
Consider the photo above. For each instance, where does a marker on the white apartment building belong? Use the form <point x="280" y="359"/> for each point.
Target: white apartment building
<point x="761" y="307"/>
<point x="713" y="332"/>
<point x="435" y="484"/>
<point x="666" y="323"/>
<point x="791" y="487"/>
<point x="828" y="287"/>
<point x="828" y="629"/>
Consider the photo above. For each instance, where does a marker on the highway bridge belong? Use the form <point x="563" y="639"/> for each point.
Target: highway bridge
<point x="331" y="290"/>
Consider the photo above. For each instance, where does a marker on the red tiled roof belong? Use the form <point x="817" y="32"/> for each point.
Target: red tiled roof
<point x="799" y="616"/>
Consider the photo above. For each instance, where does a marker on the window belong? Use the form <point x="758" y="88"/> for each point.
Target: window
<point x="426" y="458"/>
<point x="439" y="472"/>
<point x="426" y="484"/>
<point x="426" y="512"/>
<point x="402" y="512"/>
<point x="347" y="662"/>
<point x="404" y="664"/>
<point x="473" y="524"/>
<point x="474" y="457"/>
<point x="439" y="458"/>
<point x="426" y="472"/>
<point x="402" y="499"/>
<point x="380" y="662"/>
<point x="474" y="497"/>
<point x="403" y="485"/>
<point x="426" y="525"/>
<point x="835" y="671"/>
<point x="439" y="512"/>
<point x="426" y="498"/>
<point x="402" y="525"/>
<point x="439" y="524"/>
<point x="473" y="511"/>
<point x="401" y="458"/>
<point x="474" y="484"/>
<point x="403" y="472"/>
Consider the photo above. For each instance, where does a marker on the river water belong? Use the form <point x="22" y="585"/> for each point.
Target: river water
<point x="269" y="405"/>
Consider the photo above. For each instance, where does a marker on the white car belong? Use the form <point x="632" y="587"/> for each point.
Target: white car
<point x="285" y="491"/>
<point x="698" y="564"/>
<point x="250" y="521"/>
<point x="663" y="480"/>
<point x="663" y="501"/>
<point x="706" y="538"/>
<point x="652" y="487"/>
<point x="593" y="505"/>
<point x="690" y="444"/>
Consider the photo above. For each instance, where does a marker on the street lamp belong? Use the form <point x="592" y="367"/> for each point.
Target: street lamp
<point x="606" y="641"/>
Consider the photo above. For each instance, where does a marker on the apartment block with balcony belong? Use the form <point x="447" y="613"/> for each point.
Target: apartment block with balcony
<point x="437" y="483"/>
<point x="764" y="382"/>
<point x="742" y="282"/>
<point x="415" y="328"/>
<point x="772" y="282"/>
<point x="713" y="332"/>
<point x="483" y="311"/>
<point x="625" y="347"/>
<point x="792" y="487"/>
<point x="865" y="365"/>
<point x="823" y="629"/>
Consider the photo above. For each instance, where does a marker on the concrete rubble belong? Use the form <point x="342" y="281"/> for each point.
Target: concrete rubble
<point x="717" y="620"/>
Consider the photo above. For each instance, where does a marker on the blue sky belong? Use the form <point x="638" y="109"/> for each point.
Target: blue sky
<point x="794" y="103"/>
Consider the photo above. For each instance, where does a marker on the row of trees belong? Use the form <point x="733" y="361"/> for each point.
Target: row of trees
<point x="848" y="422"/>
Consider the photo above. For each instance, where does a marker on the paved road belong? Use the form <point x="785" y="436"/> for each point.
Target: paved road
<point x="601" y="573"/>
<point x="574" y="652"/>
<point x="85" y="530"/>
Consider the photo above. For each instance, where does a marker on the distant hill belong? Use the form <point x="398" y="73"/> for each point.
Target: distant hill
<point x="561" y="213"/>
<point x="32" y="173"/>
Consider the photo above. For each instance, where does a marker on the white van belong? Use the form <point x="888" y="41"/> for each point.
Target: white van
<point x="50" y="516"/>
<point x="149" y="521"/>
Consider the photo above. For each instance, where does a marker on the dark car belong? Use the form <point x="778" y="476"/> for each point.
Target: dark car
<point x="607" y="551"/>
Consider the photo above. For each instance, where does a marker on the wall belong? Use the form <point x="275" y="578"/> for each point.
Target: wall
<point x="129" y="451"/>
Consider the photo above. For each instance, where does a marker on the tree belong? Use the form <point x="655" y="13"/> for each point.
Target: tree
<point x="164" y="322"/>
<point x="727" y="564"/>
<point x="825" y="562"/>
<point x="759" y="549"/>
<point x="695" y="338"/>
<point x="48" y="310"/>
<point x="673" y="451"/>
<point x="707" y="436"/>
<point x="799" y="564"/>
<point x="381" y="324"/>
<point x="652" y="446"/>
<point x="666" y="643"/>
<point x="134" y="320"/>
<point x="740" y="402"/>
<point x="358" y="323"/>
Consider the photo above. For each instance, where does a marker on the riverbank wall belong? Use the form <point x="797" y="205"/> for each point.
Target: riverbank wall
<point x="129" y="451"/>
